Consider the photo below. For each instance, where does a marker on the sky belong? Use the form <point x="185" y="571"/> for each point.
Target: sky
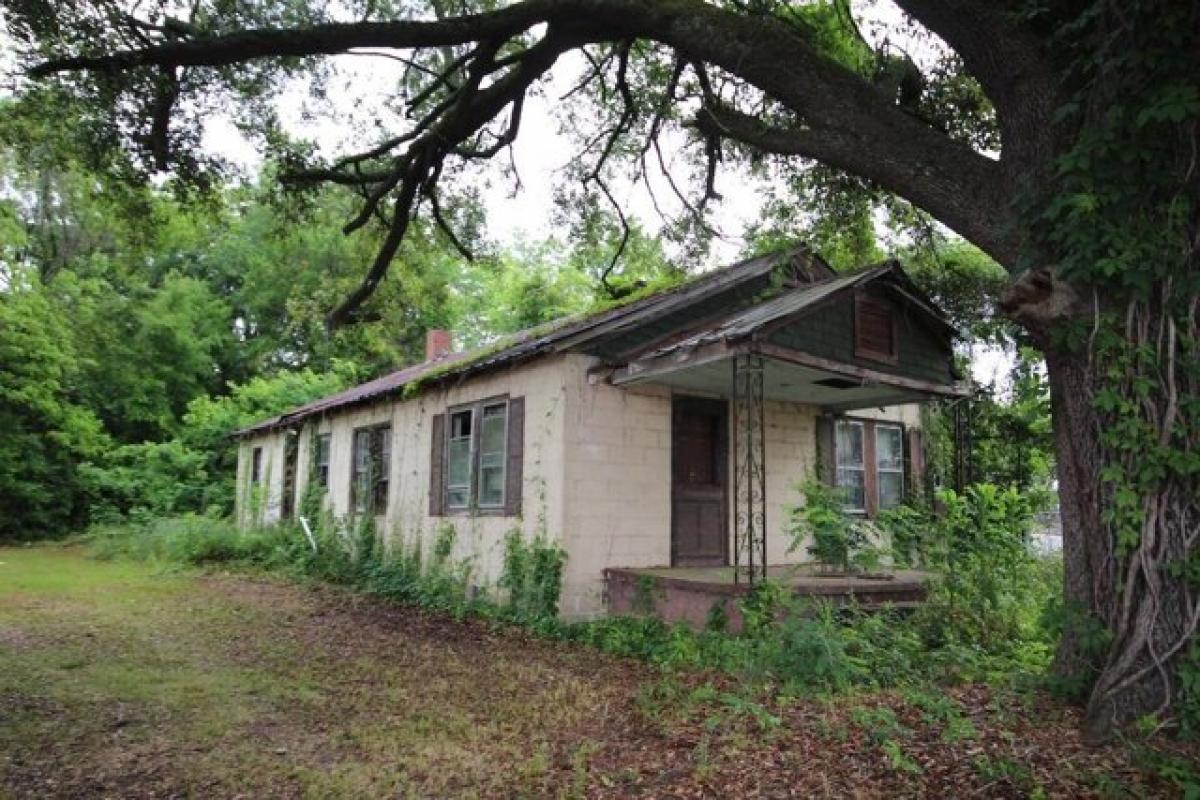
<point x="361" y="90"/>
<point x="543" y="147"/>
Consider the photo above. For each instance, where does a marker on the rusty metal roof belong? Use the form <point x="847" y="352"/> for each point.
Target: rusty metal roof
<point x="569" y="333"/>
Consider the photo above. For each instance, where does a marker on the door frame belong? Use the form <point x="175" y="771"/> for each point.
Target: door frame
<point x="679" y="401"/>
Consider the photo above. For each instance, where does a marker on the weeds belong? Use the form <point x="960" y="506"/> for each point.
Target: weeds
<point x="983" y="620"/>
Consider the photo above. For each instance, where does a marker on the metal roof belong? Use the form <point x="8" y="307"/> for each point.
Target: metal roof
<point x="569" y="333"/>
<point x="746" y="322"/>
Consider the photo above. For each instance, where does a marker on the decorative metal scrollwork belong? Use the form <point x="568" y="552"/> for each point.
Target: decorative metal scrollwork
<point x="749" y="471"/>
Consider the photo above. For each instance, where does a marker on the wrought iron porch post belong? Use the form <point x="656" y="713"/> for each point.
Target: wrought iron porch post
<point x="749" y="470"/>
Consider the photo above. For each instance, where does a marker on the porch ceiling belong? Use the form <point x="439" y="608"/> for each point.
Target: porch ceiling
<point x="709" y="371"/>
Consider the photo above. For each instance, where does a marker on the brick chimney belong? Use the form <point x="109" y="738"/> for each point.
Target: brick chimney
<point x="438" y="343"/>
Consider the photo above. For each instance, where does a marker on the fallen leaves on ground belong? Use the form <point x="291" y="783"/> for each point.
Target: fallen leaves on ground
<point x="230" y="686"/>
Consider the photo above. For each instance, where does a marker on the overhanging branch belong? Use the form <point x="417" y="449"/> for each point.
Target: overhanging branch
<point x="958" y="182"/>
<point x="847" y="122"/>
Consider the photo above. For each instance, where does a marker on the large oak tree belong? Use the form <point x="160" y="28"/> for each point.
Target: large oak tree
<point x="1091" y="203"/>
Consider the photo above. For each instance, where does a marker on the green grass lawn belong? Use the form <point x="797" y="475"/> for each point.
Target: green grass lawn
<point x="120" y="680"/>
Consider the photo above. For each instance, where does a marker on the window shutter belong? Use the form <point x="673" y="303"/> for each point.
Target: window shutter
<point x="513" y="473"/>
<point x="874" y="329"/>
<point x="437" y="465"/>
<point x="914" y="463"/>
<point x="826" y="465"/>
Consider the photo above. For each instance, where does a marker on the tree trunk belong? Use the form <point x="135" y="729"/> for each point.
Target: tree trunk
<point x="1129" y="537"/>
<point x="1085" y="555"/>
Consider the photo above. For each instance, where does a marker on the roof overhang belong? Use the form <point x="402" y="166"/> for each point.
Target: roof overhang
<point x="789" y="375"/>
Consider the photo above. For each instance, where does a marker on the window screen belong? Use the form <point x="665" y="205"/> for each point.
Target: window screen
<point x="492" y="436"/>
<point x="371" y="465"/>
<point x="851" y="472"/>
<point x="321" y="459"/>
<point x="458" y="459"/>
<point x="889" y="464"/>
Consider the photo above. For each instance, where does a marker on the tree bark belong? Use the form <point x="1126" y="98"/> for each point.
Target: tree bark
<point x="1131" y="613"/>
<point x="1078" y="465"/>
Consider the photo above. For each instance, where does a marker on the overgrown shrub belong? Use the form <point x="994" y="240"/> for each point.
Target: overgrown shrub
<point x="532" y="575"/>
<point x="144" y="481"/>
<point x="986" y="615"/>
<point x="990" y="592"/>
<point x="839" y="541"/>
<point x="195" y="541"/>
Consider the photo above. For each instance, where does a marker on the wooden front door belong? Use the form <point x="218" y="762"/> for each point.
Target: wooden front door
<point x="699" y="508"/>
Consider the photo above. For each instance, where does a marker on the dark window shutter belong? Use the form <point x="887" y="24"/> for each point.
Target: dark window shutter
<point x="514" y="468"/>
<point x="914" y="463"/>
<point x="874" y="328"/>
<point x="826" y="465"/>
<point x="437" y="471"/>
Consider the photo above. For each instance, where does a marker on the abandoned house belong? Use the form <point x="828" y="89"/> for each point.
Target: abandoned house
<point x="664" y="436"/>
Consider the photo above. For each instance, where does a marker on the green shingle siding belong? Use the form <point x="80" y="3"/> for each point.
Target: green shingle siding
<point x="829" y="332"/>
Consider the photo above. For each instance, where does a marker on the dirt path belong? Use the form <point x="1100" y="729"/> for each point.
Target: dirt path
<point x="117" y="680"/>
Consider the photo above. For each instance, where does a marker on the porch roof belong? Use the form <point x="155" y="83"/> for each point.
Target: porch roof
<point x="701" y="360"/>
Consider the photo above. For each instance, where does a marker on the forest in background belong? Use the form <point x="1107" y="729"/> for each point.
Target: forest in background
<point x="140" y="326"/>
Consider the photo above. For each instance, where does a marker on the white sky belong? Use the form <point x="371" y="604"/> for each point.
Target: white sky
<point x="540" y="152"/>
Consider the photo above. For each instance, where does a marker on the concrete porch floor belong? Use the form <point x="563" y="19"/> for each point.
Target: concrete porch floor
<point x="689" y="594"/>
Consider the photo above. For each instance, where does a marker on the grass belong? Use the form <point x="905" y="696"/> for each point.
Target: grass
<point x="110" y="666"/>
<point x="122" y="679"/>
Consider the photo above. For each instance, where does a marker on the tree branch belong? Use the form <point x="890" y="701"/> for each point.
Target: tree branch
<point x="846" y="122"/>
<point x="960" y="185"/>
<point x="331" y="39"/>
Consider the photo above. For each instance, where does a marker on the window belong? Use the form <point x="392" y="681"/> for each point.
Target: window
<point x="889" y="465"/>
<point x="492" y="431"/>
<point x="479" y="457"/>
<point x="370" y="465"/>
<point x="476" y="452"/>
<point x="256" y="465"/>
<point x="321" y="460"/>
<point x="851" y="465"/>
<point x="869" y="463"/>
<point x="458" y="459"/>
<point x="874" y="330"/>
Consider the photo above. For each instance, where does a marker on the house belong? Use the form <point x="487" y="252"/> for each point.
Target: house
<point x="664" y="433"/>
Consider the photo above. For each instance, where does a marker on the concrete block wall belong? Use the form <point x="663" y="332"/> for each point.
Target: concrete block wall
<point x="597" y="472"/>
<point x="791" y="452"/>
<point x="617" y="473"/>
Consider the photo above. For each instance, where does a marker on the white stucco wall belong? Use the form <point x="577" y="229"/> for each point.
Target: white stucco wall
<point x="597" y="472"/>
<point x="261" y="504"/>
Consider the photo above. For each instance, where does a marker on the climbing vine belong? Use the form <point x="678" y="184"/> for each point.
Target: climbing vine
<point x="1123" y="215"/>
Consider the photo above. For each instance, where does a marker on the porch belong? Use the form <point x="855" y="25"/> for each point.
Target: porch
<point x="690" y="594"/>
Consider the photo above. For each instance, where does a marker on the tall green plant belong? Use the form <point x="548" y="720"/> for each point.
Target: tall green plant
<point x="532" y="575"/>
<point x="839" y="541"/>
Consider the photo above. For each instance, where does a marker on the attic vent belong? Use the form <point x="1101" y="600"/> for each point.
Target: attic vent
<point x="874" y="330"/>
<point x="838" y="383"/>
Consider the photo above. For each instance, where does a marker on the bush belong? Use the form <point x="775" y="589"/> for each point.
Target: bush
<point x="986" y="615"/>
<point x="839" y="541"/>
<point x="532" y="575"/>
<point x="991" y="591"/>
<point x="195" y="541"/>
<point x="143" y="481"/>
